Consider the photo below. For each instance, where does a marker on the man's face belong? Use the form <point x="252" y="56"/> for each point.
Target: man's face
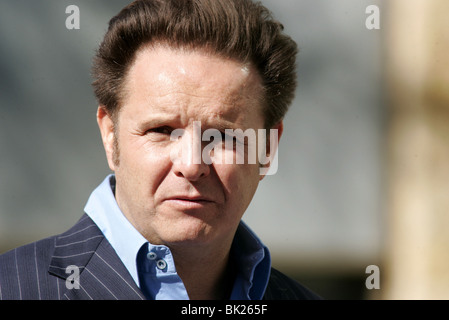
<point x="178" y="202"/>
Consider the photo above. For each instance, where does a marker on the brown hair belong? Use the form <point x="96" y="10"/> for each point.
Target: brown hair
<point x="237" y="29"/>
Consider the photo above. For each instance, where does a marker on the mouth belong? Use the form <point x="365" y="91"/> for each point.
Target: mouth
<point x="185" y="202"/>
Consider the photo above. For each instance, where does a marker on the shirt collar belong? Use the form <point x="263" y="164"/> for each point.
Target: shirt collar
<point x="251" y="257"/>
<point x="102" y="208"/>
<point x="253" y="265"/>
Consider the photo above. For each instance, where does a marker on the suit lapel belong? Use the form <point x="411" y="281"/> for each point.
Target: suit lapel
<point x="102" y="274"/>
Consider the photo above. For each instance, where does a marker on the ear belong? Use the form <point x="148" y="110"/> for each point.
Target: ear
<point x="106" y="125"/>
<point x="271" y="149"/>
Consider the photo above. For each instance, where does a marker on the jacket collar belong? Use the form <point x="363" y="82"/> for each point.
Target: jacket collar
<point x="102" y="274"/>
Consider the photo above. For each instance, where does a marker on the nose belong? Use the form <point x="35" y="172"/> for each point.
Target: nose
<point x="192" y="172"/>
<point x="188" y="162"/>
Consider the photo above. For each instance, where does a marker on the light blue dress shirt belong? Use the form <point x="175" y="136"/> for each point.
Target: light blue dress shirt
<point x="152" y="266"/>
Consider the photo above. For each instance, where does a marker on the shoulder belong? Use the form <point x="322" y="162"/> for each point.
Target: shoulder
<point x="282" y="287"/>
<point x="32" y="252"/>
<point x="33" y="271"/>
<point x="24" y="269"/>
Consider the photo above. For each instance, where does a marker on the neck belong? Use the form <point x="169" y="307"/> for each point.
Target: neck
<point x="207" y="273"/>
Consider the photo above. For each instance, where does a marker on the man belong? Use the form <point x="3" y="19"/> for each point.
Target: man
<point x="167" y="223"/>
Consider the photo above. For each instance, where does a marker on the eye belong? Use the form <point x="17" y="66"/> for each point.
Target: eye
<point x="160" y="130"/>
<point x="230" y="138"/>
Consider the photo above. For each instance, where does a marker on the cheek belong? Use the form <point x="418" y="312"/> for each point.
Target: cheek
<point x="240" y="182"/>
<point x="141" y="161"/>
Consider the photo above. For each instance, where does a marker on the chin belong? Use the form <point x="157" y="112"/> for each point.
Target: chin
<point x="189" y="231"/>
<point x="177" y="227"/>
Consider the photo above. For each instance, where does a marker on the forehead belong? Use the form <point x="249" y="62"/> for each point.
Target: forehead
<point x="191" y="81"/>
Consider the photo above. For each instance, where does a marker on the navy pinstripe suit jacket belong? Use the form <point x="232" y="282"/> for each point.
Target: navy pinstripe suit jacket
<point x="38" y="270"/>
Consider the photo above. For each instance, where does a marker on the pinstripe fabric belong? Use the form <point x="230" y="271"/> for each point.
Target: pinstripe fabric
<point x="38" y="271"/>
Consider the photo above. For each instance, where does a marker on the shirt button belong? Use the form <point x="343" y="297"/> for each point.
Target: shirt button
<point x="151" y="256"/>
<point x="161" y="264"/>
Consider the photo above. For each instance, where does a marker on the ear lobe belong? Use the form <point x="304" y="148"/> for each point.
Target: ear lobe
<point x="106" y="126"/>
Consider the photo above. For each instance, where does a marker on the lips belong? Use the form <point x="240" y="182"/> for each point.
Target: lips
<point x="185" y="202"/>
<point x="191" y="198"/>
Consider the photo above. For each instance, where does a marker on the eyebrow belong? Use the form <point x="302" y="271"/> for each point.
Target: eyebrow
<point x="174" y="120"/>
<point x="157" y="119"/>
<point x="167" y="115"/>
<point x="222" y="125"/>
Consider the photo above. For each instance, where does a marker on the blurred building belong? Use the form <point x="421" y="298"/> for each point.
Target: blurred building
<point x="417" y="76"/>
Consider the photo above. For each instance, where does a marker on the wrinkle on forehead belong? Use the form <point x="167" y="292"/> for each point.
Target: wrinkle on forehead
<point x="183" y="68"/>
<point x="176" y="81"/>
<point x="182" y="108"/>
